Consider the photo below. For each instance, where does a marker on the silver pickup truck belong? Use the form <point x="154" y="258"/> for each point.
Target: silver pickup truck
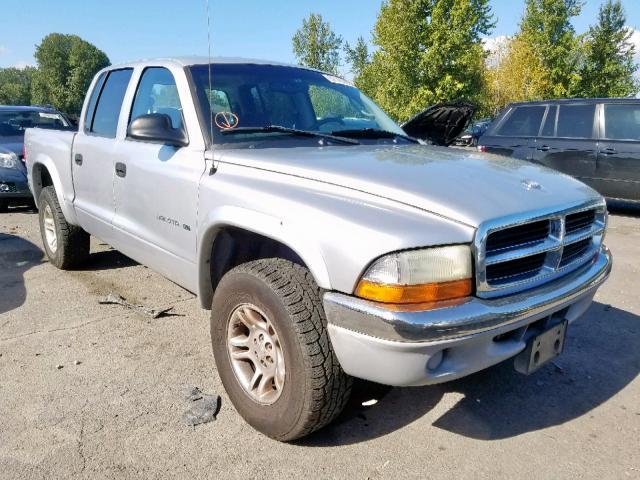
<point x="327" y="243"/>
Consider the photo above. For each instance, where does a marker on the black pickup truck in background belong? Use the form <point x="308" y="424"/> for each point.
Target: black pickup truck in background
<point x="594" y="140"/>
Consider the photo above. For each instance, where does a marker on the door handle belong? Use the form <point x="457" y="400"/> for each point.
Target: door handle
<point x="121" y="169"/>
<point x="78" y="158"/>
<point x="544" y="148"/>
<point x="608" y="151"/>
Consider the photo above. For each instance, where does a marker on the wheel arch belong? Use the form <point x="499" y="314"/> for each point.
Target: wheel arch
<point x="234" y="235"/>
<point x="43" y="173"/>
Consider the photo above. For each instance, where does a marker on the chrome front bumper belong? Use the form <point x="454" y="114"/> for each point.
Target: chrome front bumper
<point x="395" y="348"/>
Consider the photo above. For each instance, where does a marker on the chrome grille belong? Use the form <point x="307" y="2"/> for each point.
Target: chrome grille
<point x="580" y="220"/>
<point x="517" y="237"/>
<point x="516" y="253"/>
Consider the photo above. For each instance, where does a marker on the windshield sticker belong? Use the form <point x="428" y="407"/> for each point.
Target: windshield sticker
<point x="52" y="116"/>
<point x="226" y="120"/>
<point x="338" y="80"/>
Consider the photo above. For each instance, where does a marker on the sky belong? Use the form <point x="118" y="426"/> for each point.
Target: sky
<point x="134" y="29"/>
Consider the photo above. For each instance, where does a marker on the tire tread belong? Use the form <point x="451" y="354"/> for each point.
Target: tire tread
<point x="301" y="296"/>
<point x="73" y="241"/>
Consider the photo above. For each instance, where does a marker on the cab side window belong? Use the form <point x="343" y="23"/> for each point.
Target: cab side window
<point x="523" y="122"/>
<point x="157" y="93"/>
<point x="93" y="100"/>
<point x="576" y="121"/>
<point x="622" y="121"/>
<point x="107" y="111"/>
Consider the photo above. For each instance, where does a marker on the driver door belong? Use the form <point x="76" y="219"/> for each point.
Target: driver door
<point x="156" y="187"/>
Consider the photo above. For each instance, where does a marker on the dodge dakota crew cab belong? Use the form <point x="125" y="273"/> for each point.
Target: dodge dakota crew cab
<point x="326" y="242"/>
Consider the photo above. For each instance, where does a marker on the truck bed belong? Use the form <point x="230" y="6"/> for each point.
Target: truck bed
<point x="51" y="148"/>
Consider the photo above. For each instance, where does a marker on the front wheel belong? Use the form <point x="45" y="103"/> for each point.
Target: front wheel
<point x="272" y="349"/>
<point x="66" y="245"/>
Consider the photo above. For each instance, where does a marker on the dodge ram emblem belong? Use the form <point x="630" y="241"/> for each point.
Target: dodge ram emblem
<point x="530" y="185"/>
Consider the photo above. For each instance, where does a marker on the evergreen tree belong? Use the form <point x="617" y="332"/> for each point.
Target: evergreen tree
<point x="546" y="27"/>
<point x="609" y="68"/>
<point x="315" y="45"/>
<point x="357" y="56"/>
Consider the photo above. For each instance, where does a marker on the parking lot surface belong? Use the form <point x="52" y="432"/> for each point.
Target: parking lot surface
<point x="97" y="391"/>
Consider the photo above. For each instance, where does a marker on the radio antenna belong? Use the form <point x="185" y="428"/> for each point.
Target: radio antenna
<point x="209" y="68"/>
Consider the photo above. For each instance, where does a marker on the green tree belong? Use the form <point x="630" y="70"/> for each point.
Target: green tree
<point x="357" y="56"/>
<point x="66" y="65"/>
<point x="315" y="45"/>
<point x="428" y="51"/>
<point x="15" y="86"/>
<point x="609" y="68"/>
<point x="546" y="27"/>
<point x="516" y="75"/>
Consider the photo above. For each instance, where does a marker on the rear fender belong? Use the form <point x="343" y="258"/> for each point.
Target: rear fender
<point x="64" y="190"/>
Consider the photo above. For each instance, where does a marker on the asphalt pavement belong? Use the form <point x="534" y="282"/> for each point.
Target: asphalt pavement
<point x="90" y="390"/>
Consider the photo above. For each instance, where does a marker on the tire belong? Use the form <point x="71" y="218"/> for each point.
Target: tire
<point x="72" y="243"/>
<point x="4" y="206"/>
<point x="315" y="389"/>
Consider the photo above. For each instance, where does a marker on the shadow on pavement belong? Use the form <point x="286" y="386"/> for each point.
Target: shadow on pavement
<point x="601" y="357"/>
<point x="106" y="260"/>
<point x="17" y="255"/>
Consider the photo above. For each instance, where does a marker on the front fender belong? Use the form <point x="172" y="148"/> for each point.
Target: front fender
<point x="287" y="233"/>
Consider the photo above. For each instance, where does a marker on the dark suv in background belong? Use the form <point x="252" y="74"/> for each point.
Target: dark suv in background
<point x="594" y="140"/>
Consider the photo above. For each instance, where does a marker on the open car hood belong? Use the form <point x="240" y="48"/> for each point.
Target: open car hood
<point x="440" y="124"/>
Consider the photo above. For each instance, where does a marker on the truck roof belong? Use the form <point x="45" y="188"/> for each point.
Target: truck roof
<point x="187" y="61"/>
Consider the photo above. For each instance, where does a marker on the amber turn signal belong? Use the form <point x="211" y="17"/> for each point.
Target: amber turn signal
<point x="402" y="294"/>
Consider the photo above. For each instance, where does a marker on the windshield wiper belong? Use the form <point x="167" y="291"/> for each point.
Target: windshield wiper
<point x="372" y="133"/>
<point x="292" y="131"/>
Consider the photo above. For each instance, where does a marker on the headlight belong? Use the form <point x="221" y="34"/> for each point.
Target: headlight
<point x="419" y="276"/>
<point x="8" y="160"/>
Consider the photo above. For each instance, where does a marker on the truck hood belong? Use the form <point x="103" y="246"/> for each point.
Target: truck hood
<point x="467" y="187"/>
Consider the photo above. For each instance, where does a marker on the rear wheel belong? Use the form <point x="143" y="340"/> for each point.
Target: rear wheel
<point x="272" y="349"/>
<point x="66" y="245"/>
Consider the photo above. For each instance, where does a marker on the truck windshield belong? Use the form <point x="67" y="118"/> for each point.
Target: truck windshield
<point x="14" y="122"/>
<point x="249" y="97"/>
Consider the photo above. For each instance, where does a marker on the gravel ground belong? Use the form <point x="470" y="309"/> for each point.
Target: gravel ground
<point x="96" y="391"/>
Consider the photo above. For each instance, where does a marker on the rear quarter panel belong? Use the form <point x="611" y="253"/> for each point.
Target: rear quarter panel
<point x="51" y="150"/>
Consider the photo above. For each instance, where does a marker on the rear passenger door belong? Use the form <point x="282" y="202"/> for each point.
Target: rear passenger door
<point x="618" y="164"/>
<point x="567" y="141"/>
<point x="95" y="152"/>
<point x="514" y="135"/>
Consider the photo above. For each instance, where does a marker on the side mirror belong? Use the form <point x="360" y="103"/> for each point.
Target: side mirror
<point x="156" y="127"/>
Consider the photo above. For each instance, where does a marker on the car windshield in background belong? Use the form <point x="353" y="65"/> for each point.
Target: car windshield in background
<point x="246" y="101"/>
<point x="14" y="122"/>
